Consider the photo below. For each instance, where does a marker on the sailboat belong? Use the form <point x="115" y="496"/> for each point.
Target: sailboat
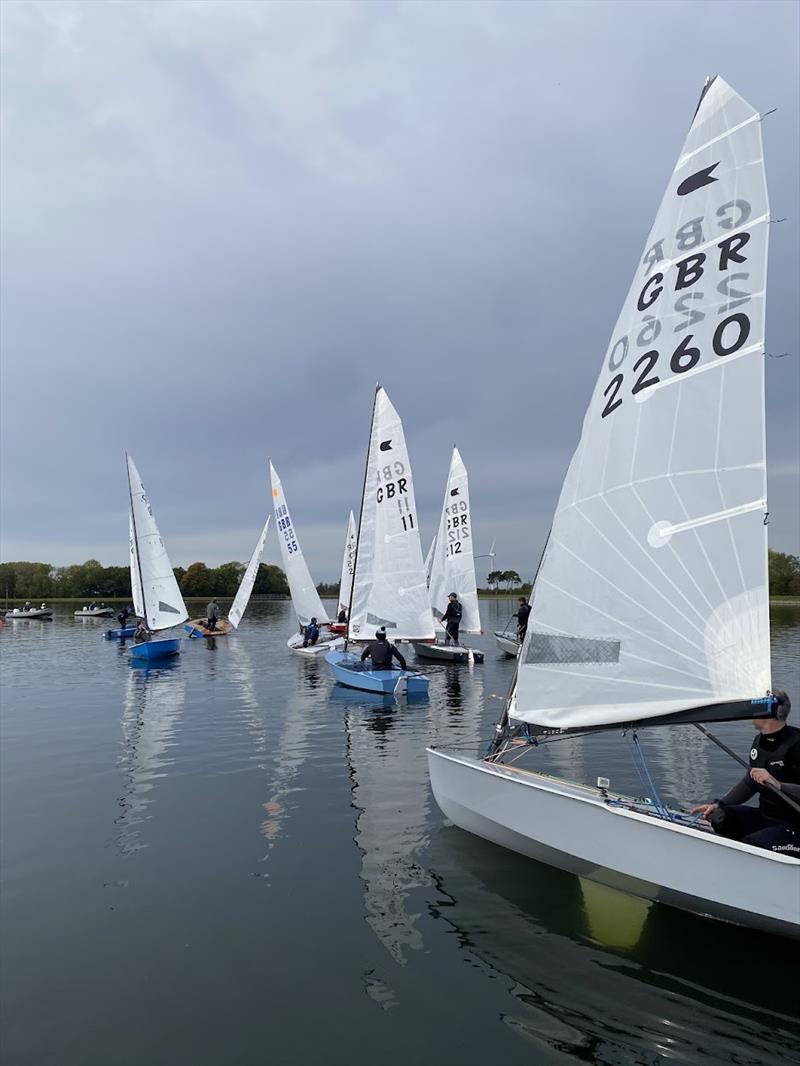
<point x="650" y="606"/>
<point x="198" y="627"/>
<point x="305" y="598"/>
<point x="452" y="568"/>
<point x="389" y="589"/>
<point x="156" y="596"/>
<point x="346" y="581"/>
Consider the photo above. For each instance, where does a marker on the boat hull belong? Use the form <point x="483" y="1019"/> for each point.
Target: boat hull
<point x="313" y="651"/>
<point x="22" y="615"/>
<point x="507" y="644"/>
<point x="348" y="670"/>
<point x="625" y="849"/>
<point x="150" y="650"/>
<point x="119" y="634"/>
<point x="448" y="653"/>
<point x="198" y="628"/>
<point x="98" y="612"/>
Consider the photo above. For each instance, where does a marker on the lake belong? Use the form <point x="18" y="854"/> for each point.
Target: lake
<point x="229" y="861"/>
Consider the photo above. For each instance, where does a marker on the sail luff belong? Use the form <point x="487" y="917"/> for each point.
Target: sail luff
<point x="656" y="568"/>
<point x="348" y="566"/>
<point x="453" y="564"/>
<point x="305" y="598"/>
<point x="245" y="590"/>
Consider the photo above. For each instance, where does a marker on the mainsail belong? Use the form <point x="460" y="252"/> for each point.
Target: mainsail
<point x="389" y="587"/>
<point x="305" y="598"/>
<point x="429" y="561"/>
<point x="242" y="598"/>
<point x="161" y="602"/>
<point x="652" y="595"/>
<point x="453" y="565"/>
<point x="348" y="565"/>
<point x="136" y="581"/>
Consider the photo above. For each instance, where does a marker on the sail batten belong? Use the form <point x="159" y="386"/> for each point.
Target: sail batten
<point x="159" y="599"/>
<point x="389" y="583"/>
<point x="658" y="546"/>
<point x="305" y="598"/>
<point x="245" y="590"/>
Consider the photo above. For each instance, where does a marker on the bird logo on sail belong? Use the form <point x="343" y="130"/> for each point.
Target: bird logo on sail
<point x="454" y="492"/>
<point x="386" y="445"/>
<point x="698" y="181"/>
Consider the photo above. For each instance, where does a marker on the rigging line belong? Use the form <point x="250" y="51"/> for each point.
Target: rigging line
<point x="729" y="751"/>
<point x="621" y="592"/>
<point x="625" y="625"/>
<point x="639" y="573"/>
<point x="659" y="801"/>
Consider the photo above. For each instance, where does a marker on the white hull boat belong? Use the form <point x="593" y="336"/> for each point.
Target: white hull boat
<point x="323" y="645"/>
<point x="507" y="643"/>
<point x="95" y="612"/>
<point x="38" y="612"/>
<point x="448" y="653"/>
<point x="619" y="844"/>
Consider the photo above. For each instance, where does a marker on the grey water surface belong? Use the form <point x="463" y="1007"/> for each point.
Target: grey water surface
<point x="230" y="861"/>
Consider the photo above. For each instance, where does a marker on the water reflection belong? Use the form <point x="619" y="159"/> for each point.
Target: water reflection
<point x="684" y="988"/>
<point x="154" y="699"/>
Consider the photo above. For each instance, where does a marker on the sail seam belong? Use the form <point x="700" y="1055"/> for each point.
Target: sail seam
<point x="720" y="137"/>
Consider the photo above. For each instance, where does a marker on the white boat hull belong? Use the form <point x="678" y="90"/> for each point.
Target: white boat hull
<point x="322" y="646"/>
<point x="448" y="653"/>
<point x="572" y="827"/>
<point x="507" y="643"/>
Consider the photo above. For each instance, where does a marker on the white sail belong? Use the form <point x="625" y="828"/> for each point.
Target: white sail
<point x="429" y="561"/>
<point x="389" y="587"/>
<point x="652" y="594"/>
<point x="453" y="564"/>
<point x="348" y="565"/>
<point x="136" y="581"/>
<point x="243" y="593"/>
<point x="305" y="598"/>
<point x="162" y="604"/>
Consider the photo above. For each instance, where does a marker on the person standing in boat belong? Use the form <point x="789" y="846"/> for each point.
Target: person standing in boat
<point x="774" y="768"/>
<point x="310" y="633"/>
<point x="212" y="615"/>
<point x="451" y="619"/>
<point x="522" y="615"/>
<point x="381" y="652"/>
<point x="342" y="616"/>
<point x="123" y="616"/>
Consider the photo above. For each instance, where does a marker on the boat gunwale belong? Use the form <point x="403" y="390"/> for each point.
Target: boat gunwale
<point x="572" y="791"/>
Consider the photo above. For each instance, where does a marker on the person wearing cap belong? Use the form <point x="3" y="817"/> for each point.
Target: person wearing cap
<point x="774" y="768"/>
<point x="310" y="633"/>
<point x="451" y="619"/>
<point x="381" y="651"/>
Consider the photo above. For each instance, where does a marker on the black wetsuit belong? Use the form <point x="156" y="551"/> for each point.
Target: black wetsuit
<point x="522" y="620"/>
<point x="452" y="619"/>
<point x="382" y="652"/>
<point x="773" y="824"/>
<point x="122" y="617"/>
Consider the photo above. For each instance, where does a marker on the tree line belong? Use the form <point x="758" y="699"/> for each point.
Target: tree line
<point x="41" y="581"/>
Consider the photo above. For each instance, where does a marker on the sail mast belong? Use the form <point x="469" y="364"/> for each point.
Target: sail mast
<point x="361" y="513"/>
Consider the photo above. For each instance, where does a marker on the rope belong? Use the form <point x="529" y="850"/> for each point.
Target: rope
<point x="661" y="807"/>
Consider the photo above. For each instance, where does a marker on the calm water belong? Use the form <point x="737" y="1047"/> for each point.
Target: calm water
<point x="228" y="861"/>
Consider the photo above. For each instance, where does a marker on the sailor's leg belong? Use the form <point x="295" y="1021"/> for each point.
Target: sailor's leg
<point x="777" y="837"/>
<point x="737" y="821"/>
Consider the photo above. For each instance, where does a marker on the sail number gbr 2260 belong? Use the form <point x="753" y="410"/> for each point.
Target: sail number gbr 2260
<point x="729" y="335"/>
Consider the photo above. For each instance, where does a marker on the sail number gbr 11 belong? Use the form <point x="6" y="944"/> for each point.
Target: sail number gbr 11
<point x="393" y="486"/>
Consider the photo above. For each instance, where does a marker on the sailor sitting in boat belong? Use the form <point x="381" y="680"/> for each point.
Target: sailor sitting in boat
<point x="381" y="651"/>
<point x="774" y="765"/>
<point x="310" y="633"/>
<point x="451" y="619"/>
<point x="342" y="616"/>
<point x="27" y="606"/>
<point x="142" y="632"/>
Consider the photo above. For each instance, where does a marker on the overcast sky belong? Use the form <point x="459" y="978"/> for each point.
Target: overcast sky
<point x="222" y="223"/>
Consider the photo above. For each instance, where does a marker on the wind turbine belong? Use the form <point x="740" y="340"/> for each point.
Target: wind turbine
<point x="489" y="555"/>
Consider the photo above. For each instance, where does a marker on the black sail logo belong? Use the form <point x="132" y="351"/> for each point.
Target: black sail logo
<point x="454" y="492"/>
<point x="698" y="181"/>
<point x="386" y="445"/>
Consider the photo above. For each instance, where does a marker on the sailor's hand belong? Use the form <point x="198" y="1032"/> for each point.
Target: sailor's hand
<point x="706" y="809"/>
<point x="764" y="777"/>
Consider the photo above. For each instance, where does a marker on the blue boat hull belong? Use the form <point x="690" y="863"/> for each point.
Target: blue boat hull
<point x="155" y="649"/>
<point x="348" y="670"/>
<point x="119" y="634"/>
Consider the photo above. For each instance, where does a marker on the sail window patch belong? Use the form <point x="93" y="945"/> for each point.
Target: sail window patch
<point x="556" y="648"/>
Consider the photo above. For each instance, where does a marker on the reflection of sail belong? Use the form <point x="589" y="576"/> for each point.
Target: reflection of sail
<point x="387" y="768"/>
<point x="153" y="704"/>
<point x="681" y="754"/>
<point x="575" y="999"/>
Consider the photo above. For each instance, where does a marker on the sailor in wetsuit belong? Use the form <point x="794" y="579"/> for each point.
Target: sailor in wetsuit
<point x="310" y="633"/>
<point x="522" y="618"/>
<point x="382" y="652"/>
<point x="775" y="761"/>
<point x="451" y="619"/>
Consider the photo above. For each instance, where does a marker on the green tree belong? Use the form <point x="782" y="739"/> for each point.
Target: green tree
<point x="198" y="581"/>
<point x="784" y="574"/>
<point x="227" y="578"/>
<point x="511" y="578"/>
<point x="270" y="579"/>
<point x="493" y="579"/>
